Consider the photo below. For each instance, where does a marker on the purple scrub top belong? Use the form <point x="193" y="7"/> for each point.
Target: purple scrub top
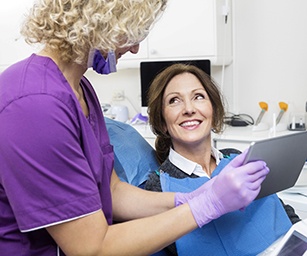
<point x="56" y="164"/>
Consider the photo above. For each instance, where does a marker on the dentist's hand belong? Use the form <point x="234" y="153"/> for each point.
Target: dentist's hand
<point x="234" y="188"/>
<point x="181" y="198"/>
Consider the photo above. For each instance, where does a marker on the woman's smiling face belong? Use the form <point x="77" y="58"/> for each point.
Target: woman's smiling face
<point x="187" y="111"/>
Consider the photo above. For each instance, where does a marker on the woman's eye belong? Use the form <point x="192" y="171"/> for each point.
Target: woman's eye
<point x="173" y="100"/>
<point x="199" y="96"/>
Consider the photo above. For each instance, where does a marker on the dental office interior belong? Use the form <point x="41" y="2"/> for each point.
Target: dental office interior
<point x="257" y="50"/>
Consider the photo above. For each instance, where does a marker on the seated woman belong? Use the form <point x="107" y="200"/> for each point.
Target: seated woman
<point x="185" y="106"/>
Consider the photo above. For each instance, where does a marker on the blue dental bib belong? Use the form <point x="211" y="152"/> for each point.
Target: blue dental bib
<point x="246" y="232"/>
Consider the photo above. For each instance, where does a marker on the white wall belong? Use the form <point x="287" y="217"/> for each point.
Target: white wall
<point x="270" y="49"/>
<point x="270" y="45"/>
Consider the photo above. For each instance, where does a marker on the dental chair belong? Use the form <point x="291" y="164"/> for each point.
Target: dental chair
<point x="134" y="158"/>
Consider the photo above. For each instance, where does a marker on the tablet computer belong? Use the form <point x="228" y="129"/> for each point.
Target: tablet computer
<point x="285" y="156"/>
<point x="293" y="243"/>
<point x="296" y="245"/>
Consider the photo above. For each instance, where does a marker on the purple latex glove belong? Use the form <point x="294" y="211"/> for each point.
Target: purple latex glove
<point x="181" y="198"/>
<point x="234" y="188"/>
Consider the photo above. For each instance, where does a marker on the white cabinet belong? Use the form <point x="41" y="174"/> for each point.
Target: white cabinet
<point x="189" y="29"/>
<point x="12" y="47"/>
<point x="194" y="29"/>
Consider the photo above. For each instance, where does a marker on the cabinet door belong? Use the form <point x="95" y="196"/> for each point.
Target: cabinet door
<point x="13" y="47"/>
<point x="186" y="29"/>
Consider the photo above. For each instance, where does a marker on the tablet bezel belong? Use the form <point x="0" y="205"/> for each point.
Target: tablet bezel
<point x="285" y="156"/>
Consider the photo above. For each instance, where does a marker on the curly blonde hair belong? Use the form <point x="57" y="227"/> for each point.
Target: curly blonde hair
<point x="73" y="27"/>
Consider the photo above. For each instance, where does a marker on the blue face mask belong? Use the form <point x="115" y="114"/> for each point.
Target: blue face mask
<point x="100" y="64"/>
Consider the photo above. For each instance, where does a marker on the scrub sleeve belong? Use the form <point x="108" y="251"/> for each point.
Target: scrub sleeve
<point x="55" y="163"/>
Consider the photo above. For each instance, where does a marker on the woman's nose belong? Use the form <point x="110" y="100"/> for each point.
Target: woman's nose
<point x="189" y="108"/>
<point x="135" y="48"/>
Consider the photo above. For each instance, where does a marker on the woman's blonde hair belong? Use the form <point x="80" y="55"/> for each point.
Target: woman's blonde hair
<point x="163" y="141"/>
<point x="73" y="27"/>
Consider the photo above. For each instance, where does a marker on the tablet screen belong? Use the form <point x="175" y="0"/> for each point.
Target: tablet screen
<point x="296" y="245"/>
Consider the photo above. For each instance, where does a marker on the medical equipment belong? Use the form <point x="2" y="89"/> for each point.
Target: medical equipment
<point x="297" y="122"/>
<point x="139" y="119"/>
<point x="283" y="108"/>
<point x="120" y="113"/>
<point x="293" y="243"/>
<point x="264" y="108"/>
<point x="258" y="125"/>
<point x="238" y="119"/>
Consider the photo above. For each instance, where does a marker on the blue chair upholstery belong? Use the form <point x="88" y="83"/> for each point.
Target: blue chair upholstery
<point x="134" y="158"/>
